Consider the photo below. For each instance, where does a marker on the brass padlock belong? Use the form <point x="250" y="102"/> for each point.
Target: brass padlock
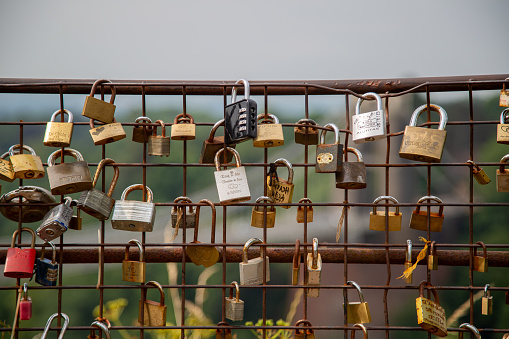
<point x="329" y="157"/>
<point x="424" y="144"/>
<point x="296" y="263"/>
<point x="503" y="176"/>
<point x="408" y="260"/>
<point x="377" y="220"/>
<point x="142" y="132"/>
<point x="25" y="166"/>
<point x="234" y="306"/>
<point x="159" y="144"/>
<point x="432" y="257"/>
<point x="314" y="270"/>
<point x="357" y="312"/>
<point x="504" y="97"/>
<point x="419" y="219"/>
<point x="225" y="333"/>
<point x="134" y="271"/>
<point x="258" y="212"/>
<point x="280" y="190"/>
<point x="214" y="144"/>
<point x="106" y="133"/>
<point x="154" y="313"/>
<point x="97" y="109"/>
<point x="6" y="171"/>
<point x="306" y="131"/>
<point x="304" y="213"/>
<point x="481" y="263"/>
<point x="102" y="326"/>
<point x="430" y="315"/>
<point x="471" y="328"/>
<point x="364" y="331"/>
<point x="135" y="216"/>
<point x="59" y="134"/>
<point x="503" y="127"/>
<point x="353" y="175"/>
<point x="269" y="132"/>
<point x="251" y="271"/>
<point x="232" y="185"/>
<point x="369" y="126"/>
<point x="50" y="320"/>
<point x="35" y="199"/>
<point x="66" y="178"/>
<point x="487" y="301"/>
<point x="178" y="211"/>
<point x="479" y="174"/>
<point x="206" y="255"/>
<point x="306" y="331"/>
<point x="183" y="127"/>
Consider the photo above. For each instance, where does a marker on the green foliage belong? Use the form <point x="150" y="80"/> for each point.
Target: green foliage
<point x="270" y="333"/>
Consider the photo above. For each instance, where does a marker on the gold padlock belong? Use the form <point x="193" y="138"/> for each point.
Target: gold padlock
<point x="142" y="132"/>
<point x="408" y="260"/>
<point x="487" y="301"/>
<point x="97" y="109"/>
<point x="432" y="257"/>
<point x="269" y="132"/>
<point x="424" y="144"/>
<point x="154" y="313"/>
<point x="304" y="213"/>
<point x="329" y="157"/>
<point x="225" y="333"/>
<point x="280" y="190"/>
<point x="59" y="134"/>
<point x="306" y="332"/>
<point x="159" y="144"/>
<point x="502" y="175"/>
<point x="26" y="166"/>
<point x="357" y="312"/>
<point x="504" y="97"/>
<point x="419" y="219"/>
<point x="6" y="170"/>
<point x="306" y="134"/>
<point x="206" y="255"/>
<point x="481" y="263"/>
<point x="258" y="212"/>
<point x="214" y="144"/>
<point x="430" y="315"/>
<point x="364" y="331"/>
<point x="314" y="270"/>
<point x="377" y="219"/>
<point x="479" y="174"/>
<point x="503" y="128"/>
<point x="296" y="263"/>
<point x="134" y="271"/>
<point x="471" y="328"/>
<point x="66" y="178"/>
<point x="183" y="127"/>
<point x="106" y="133"/>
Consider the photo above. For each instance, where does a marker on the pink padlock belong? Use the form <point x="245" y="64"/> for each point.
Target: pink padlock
<point x="25" y="305"/>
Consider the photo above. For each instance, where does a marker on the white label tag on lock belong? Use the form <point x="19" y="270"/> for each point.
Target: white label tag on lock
<point x="232" y="185"/>
<point x="370" y="125"/>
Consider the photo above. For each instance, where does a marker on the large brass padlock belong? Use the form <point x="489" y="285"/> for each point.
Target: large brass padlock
<point x="134" y="271"/>
<point x="183" y="127"/>
<point x="504" y="97"/>
<point x="408" y="260"/>
<point x="234" y="306"/>
<point x="206" y="255"/>
<point x="251" y="271"/>
<point x="280" y="190"/>
<point x="479" y="174"/>
<point x="258" y="213"/>
<point x="59" y="134"/>
<point x="223" y="333"/>
<point x="306" y="332"/>
<point x="503" y="176"/>
<point x="503" y="127"/>
<point x="214" y="144"/>
<point x="35" y="200"/>
<point x="19" y="262"/>
<point x="304" y="213"/>
<point x="481" y="262"/>
<point x="419" y="219"/>
<point x="329" y="157"/>
<point x="50" y="320"/>
<point x="6" y="170"/>
<point x="159" y="144"/>
<point x="269" y="132"/>
<point x="363" y="329"/>
<point x="232" y="185"/>
<point x="25" y="166"/>
<point x="472" y="329"/>
<point x="430" y="315"/>
<point x="357" y="312"/>
<point x="177" y="213"/>
<point x="66" y="178"/>
<point x="135" y="216"/>
<point x="353" y="175"/>
<point x="106" y="133"/>
<point x="377" y="220"/>
<point x="154" y="313"/>
<point x="432" y="257"/>
<point x="142" y="132"/>
<point x="306" y="134"/>
<point x="296" y="264"/>
<point x="369" y="126"/>
<point x="424" y="144"/>
<point x="97" y="109"/>
<point x="314" y="270"/>
<point x="487" y="301"/>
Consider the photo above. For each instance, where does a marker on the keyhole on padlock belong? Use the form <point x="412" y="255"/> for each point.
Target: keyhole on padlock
<point x="50" y="232"/>
<point x="131" y="225"/>
<point x="29" y="174"/>
<point x="71" y="189"/>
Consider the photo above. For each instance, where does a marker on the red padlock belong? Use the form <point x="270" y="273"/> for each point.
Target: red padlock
<point x="19" y="262"/>
<point x="25" y="305"/>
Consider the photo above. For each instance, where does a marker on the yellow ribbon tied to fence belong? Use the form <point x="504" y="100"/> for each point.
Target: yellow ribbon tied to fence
<point x="422" y="255"/>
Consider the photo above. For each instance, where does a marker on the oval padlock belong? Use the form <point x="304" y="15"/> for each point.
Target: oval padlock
<point x="134" y="271"/>
<point x="364" y="331"/>
<point x="154" y="313"/>
<point x="214" y="144"/>
<point x="142" y="131"/>
<point x="306" y="332"/>
<point x="481" y="262"/>
<point x="59" y="134"/>
<point x="269" y="132"/>
<point x="240" y="116"/>
<point x="206" y="255"/>
<point x="177" y="213"/>
<point x="357" y="312"/>
<point x="159" y="144"/>
<point x="232" y="185"/>
<point x="66" y="178"/>
<point x="6" y="170"/>
<point x="329" y="157"/>
<point x="135" y="216"/>
<point x="251" y="270"/>
<point x="304" y="213"/>
<point x="368" y="126"/>
<point x="419" y="219"/>
<point x="234" y="307"/>
<point x="19" y="262"/>
<point x="280" y="190"/>
<point x="480" y="176"/>
<point x="503" y="127"/>
<point x="471" y="328"/>
<point x="97" y="109"/>
<point x="36" y="200"/>
<point x="183" y="127"/>
<point x="377" y="219"/>
<point x="353" y="175"/>
<point x="101" y="326"/>
<point x="258" y="212"/>
<point x="106" y="133"/>
<point x="430" y="315"/>
<point x="48" y="324"/>
<point x="306" y="134"/>
<point x="26" y="166"/>
<point x="503" y="176"/>
<point x="424" y="144"/>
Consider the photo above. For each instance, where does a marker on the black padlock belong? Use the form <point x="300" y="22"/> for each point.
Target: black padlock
<point x="240" y="116"/>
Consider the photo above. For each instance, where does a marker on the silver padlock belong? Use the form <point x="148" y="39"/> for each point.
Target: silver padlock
<point x="66" y="178"/>
<point x="56" y="221"/>
<point x="471" y="328"/>
<point x="314" y="270"/>
<point x="234" y="306"/>
<point x="232" y="185"/>
<point x="136" y="216"/>
<point x="34" y="199"/>
<point x="368" y="126"/>
<point x="48" y="324"/>
<point x="251" y="271"/>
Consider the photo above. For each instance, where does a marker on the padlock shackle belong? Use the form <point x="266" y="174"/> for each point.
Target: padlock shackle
<point x="116" y="173"/>
<point x="430" y="198"/>
<point x="434" y="108"/>
<point x="103" y="81"/>
<point x="140" y="248"/>
<point x="163" y="129"/>
<point x="472" y="329"/>
<point x="18" y="146"/>
<point x="288" y="165"/>
<point x="408" y="251"/>
<point x="504" y="116"/>
<point x="354" y="151"/>
<point x="67" y="151"/>
<point x="296" y="254"/>
<point x="54" y="255"/>
<point x="228" y="149"/>
<point x="364" y="331"/>
<point x="484" y="250"/>
<point x="272" y="117"/>
<point x="434" y="291"/>
<point x="503" y="160"/>
<point x="159" y="287"/>
<point x="182" y="200"/>
<point x="268" y="200"/>
<point x="486" y="292"/>
<point x="188" y="119"/>
<point x="369" y="96"/>
<point x="142" y="118"/>
<point x="48" y="324"/>
<point x="246" y="89"/>
<point x="306" y="122"/>
<point x="477" y="168"/>
<point x="135" y="187"/>
<point x="237" y="291"/>
<point x="432" y="249"/>
<point x="197" y="220"/>
<point x="25" y="291"/>
<point x="102" y="326"/>
<point x="92" y="124"/>
<point x="248" y="244"/>
<point x="5" y="155"/>
<point x="336" y="133"/>
<point x="26" y="229"/>
<point x="388" y="198"/>
<point x="305" y="200"/>
<point x="358" y="288"/>
<point x="314" y="264"/>
<point x="58" y="112"/>
<point x="304" y="322"/>
<point x="214" y="129"/>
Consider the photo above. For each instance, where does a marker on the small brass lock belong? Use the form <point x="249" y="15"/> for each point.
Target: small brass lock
<point x="504" y="97"/>
<point x="232" y="185"/>
<point x="234" y="306"/>
<point x="357" y="312"/>
<point x="363" y="329"/>
<point x="251" y="271"/>
<point x="142" y="131"/>
<point x="487" y="301"/>
<point x="258" y="212"/>
<point x="154" y="313"/>
<point x="481" y="263"/>
<point x="206" y="255"/>
<point x="214" y="144"/>
<point x="306" y="134"/>
<point x="314" y="270"/>
<point x="280" y="190"/>
<point x="304" y="213"/>
<point x="306" y="331"/>
<point x="159" y="144"/>
<point x="368" y="126"/>
<point x="353" y="175"/>
<point x="178" y="212"/>
<point x="66" y="178"/>
<point x="134" y="271"/>
<point x="432" y="257"/>
<point x="419" y="219"/>
<point x="269" y="132"/>
<point x="503" y="127"/>
<point x="471" y="328"/>
<point x="296" y="263"/>
<point x="480" y="176"/>
<point x="329" y="157"/>
<point x="50" y="320"/>
<point x="377" y="220"/>
<point x="183" y="128"/>
<point x="430" y="315"/>
<point x="503" y="176"/>
<point x="408" y="260"/>
<point x="223" y="333"/>
<point x="59" y="134"/>
<point x="106" y="133"/>
<point x="6" y="170"/>
<point x="36" y="200"/>
<point x="97" y="109"/>
<point x="25" y="166"/>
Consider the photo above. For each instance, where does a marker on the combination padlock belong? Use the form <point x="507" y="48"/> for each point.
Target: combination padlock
<point x="481" y="262"/>
<point x="136" y="216"/>
<point x="134" y="271"/>
<point x="142" y="131"/>
<point x="56" y="221"/>
<point x="234" y="306"/>
<point x="66" y="178"/>
<point x="279" y="189"/>
<point x="357" y="312"/>
<point x="25" y="305"/>
<point x="97" y="109"/>
<point x="19" y="262"/>
<point x="503" y="127"/>
<point x="408" y="260"/>
<point x="206" y="255"/>
<point x="240" y="116"/>
<point x="251" y="271"/>
<point x="471" y="328"/>
<point x="154" y="313"/>
<point x="6" y="170"/>
<point x="487" y="301"/>
<point x="329" y="157"/>
<point x="432" y="257"/>
<point x="503" y="176"/>
<point x="159" y="144"/>
<point x="35" y="200"/>
<point x="59" y="134"/>
<point x="214" y="144"/>
<point x="25" y="166"/>
<point x="306" y="332"/>
<point x="178" y="212"/>
<point x="480" y="176"/>
<point x="232" y="185"/>
<point x="368" y="126"/>
<point x="258" y="212"/>
<point x="377" y="220"/>
<point x="46" y="271"/>
<point x="304" y="213"/>
<point x="419" y="219"/>
<point x="107" y="133"/>
<point x="296" y="264"/>
<point x="269" y="132"/>
<point x="306" y="134"/>
<point x="50" y="320"/>
<point x="314" y="270"/>
<point x="430" y="315"/>
<point x="353" y="175"/>
<point x="183" y="127"/>
<point x="424" y="144"/>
